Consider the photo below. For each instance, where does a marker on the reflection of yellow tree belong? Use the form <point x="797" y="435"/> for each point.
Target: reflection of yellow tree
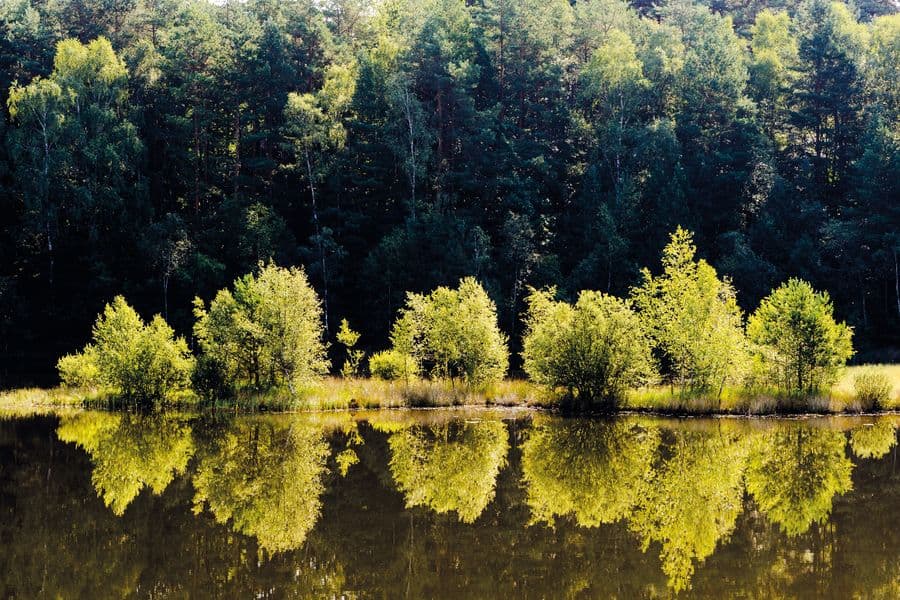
<point x="450" y="467"/>
<point x="593" y="470"/>
<point x="793" y="475"/>
<point x="873" y="440"/>
<point x="130" y="452"/>
<point x="692" y="501"/>
<point x="266" y="477"/>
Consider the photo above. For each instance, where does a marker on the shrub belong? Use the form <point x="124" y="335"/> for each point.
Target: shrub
<point x="800" y="346"/>
<point x="348" y="338"/>
<point x="266" y="332"/>
<point x="141" y="362"/>
<point x="596" y="348"/>
<point x="873" y="389"/>
<point x="390" y="365"/>
<point x="79" y="369"/>
<point x="453" y="333"/>
<point x="693" y="319"/>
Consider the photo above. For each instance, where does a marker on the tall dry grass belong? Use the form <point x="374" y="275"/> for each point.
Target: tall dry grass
<point x="335" y="393"/>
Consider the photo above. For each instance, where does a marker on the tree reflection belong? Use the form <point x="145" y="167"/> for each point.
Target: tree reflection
<point x="693" y="498"/>
<point x="681" y="489"/>
<point x="873" y="440"/>
<point x="266" y="478"/>
<point x="130" y="452"/>
<point x="593" y="470"/>
<point x="795" y="473"/>
<point x="449" y="467"/>
<point x="665" y="482"/>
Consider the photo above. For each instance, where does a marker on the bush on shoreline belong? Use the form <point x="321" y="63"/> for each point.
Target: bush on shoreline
<point x="595" y="349"/>
<point x="453" y="333"/>
<point x="798" y="345"/>
<point x="390" y="365"/>
<point x="265" y="333"/>
<point x="140" y="362"/>
<point x="264" y="340"/>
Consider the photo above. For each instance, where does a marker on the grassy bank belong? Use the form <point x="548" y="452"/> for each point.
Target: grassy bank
<point x="331" y="393"/>
<point x="334" y="393"/>
<point x="841" y="399"/>
<point x="341" y="394"/>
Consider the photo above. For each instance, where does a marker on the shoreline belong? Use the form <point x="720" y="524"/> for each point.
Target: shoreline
<point x="336" y="395"/>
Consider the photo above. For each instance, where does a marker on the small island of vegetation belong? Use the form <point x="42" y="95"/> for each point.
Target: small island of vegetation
<point x="679" y="343"/>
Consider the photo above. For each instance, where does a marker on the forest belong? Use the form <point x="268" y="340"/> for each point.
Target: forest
<point x="160" y="149"/>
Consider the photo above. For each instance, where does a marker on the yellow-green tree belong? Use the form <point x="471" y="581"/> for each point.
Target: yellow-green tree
<point x="693" y="318"/>
<point x="76" y="150"/>
<point x="799" y="345"/>
<point x="141" y="361"/>
<point x="267" y="331"/>
<point x="348" y="338"/>
<point x="773" y="69"/>
<point x="453" y="333"/>
<point x="313" y="125"/>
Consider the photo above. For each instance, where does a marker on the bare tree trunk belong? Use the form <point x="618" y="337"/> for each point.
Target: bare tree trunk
<point x="412" y="149"/>
<point x="609" y="269"/>
<point x="196" y="166"/>
<point x="166" y="295"/>
<point x="315" y="215"/>
<point x="237" y="150"/>
<point x="501" y="64"/>
<point x="45" y="198"/>
<point x="896" y="282"/>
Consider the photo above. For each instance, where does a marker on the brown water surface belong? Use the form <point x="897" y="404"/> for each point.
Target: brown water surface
<point x="447" y="504"/>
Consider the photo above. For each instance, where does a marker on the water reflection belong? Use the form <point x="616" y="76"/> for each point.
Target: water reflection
<point x="594" y="470"/>
<point x="130" y="452"/>
<point x="692" y="499"/>
<point x="265" y="477"/>
<point x="450" y="467"/>
<point x="681" y="491"/>
<point x="428" y="504"/>
<point x="795" y="474"/>
<point x="873" y="440"/>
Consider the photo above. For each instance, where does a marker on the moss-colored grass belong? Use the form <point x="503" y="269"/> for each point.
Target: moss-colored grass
<point x="43" y="397"/>
<point x="733" y="400"/>
<point x="339" y="394"/>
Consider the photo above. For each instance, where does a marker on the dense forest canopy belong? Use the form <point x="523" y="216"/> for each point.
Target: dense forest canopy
<point x="161" y="148"/>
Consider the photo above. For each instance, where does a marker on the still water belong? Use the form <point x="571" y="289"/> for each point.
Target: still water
<point x="447" y="504"/>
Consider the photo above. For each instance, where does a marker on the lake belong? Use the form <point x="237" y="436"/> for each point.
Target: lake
<point x="447" y="504"/>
